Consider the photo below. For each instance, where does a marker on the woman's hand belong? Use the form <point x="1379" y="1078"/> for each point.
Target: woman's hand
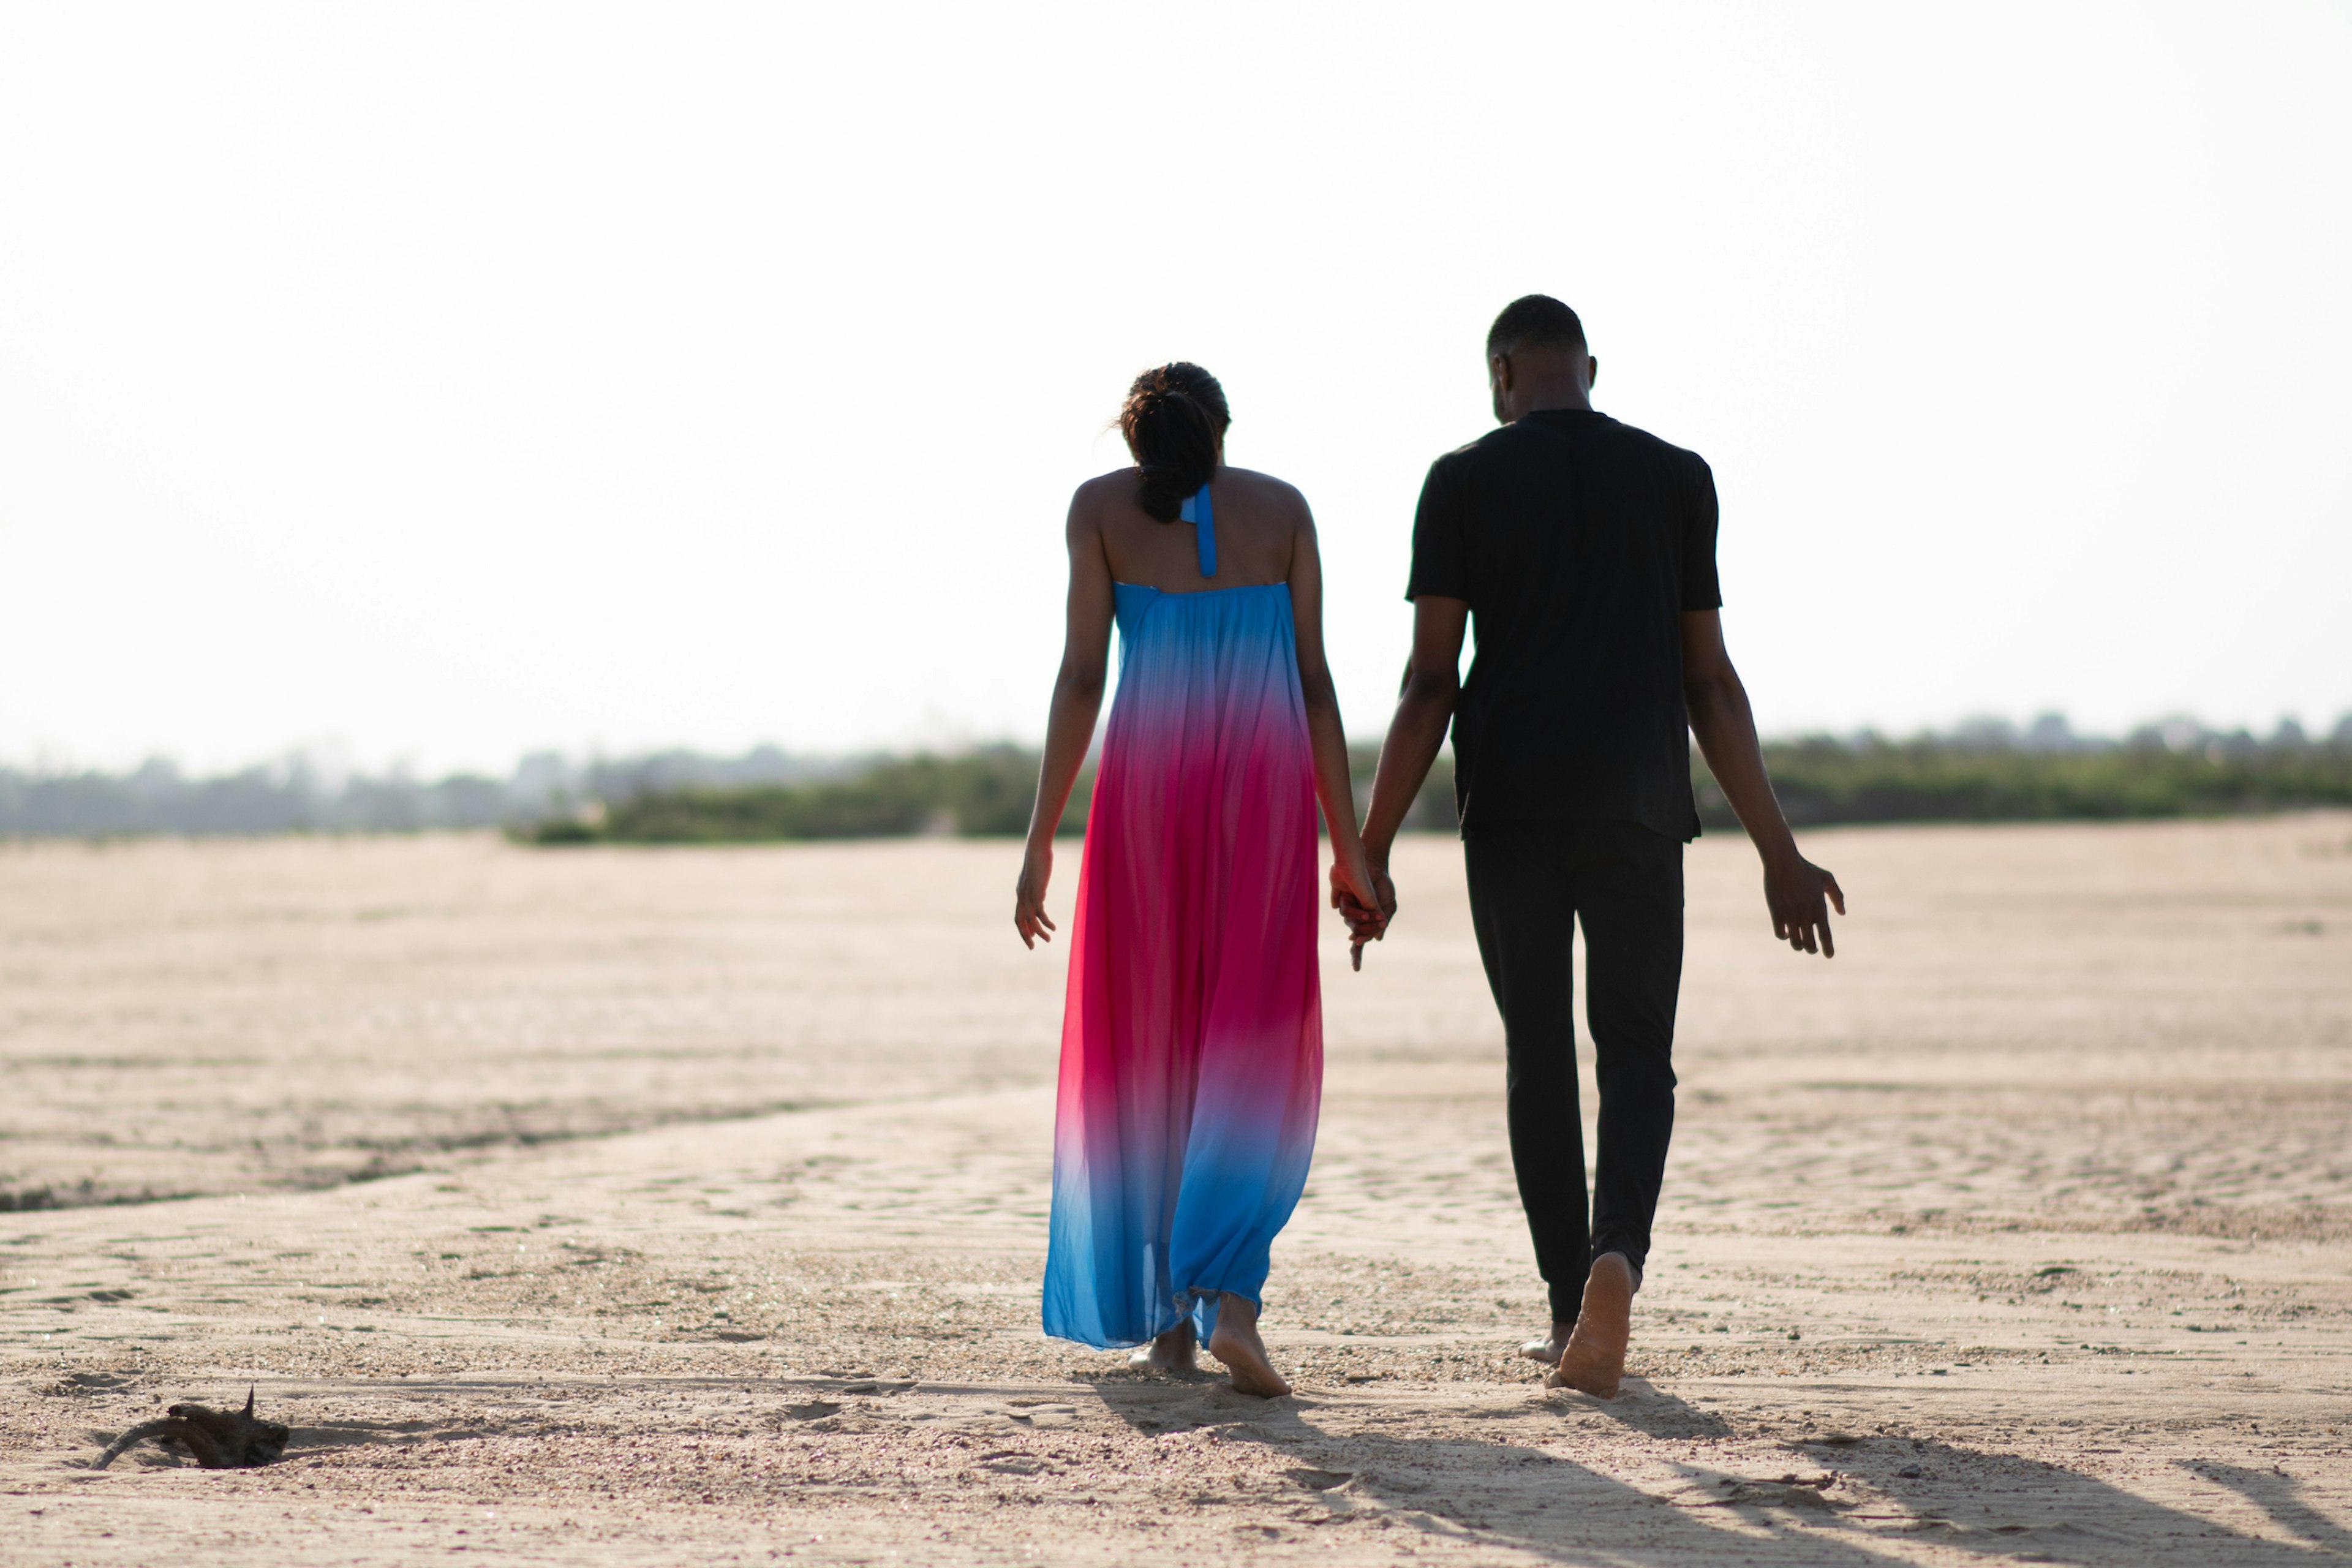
<point x="1361" y="901"/>
<point x="1029" y="916"/>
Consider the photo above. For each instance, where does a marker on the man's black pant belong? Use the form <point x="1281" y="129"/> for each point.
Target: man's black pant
<point x="1624" y="884"/>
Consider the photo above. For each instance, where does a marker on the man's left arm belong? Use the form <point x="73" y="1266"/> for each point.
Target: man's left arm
<point x="1797" y="892"/>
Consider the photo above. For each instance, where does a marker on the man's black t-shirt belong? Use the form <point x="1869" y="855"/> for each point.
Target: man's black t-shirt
<point x="1579" y="543"/>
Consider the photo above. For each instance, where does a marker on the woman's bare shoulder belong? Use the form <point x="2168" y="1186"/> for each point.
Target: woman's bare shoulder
<point x="1113" y="488"/>
<point x="1276" y="495"/>
<point x="1101" y="501"/>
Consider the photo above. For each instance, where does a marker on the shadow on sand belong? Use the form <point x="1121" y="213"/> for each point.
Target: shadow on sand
<point x="1766" y="1508"/>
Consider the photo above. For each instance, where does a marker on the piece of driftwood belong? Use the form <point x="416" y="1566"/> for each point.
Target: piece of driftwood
<point x="219" y="1439"/>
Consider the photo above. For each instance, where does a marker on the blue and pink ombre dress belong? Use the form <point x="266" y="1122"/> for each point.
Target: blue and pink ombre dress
<point x="1193" y="1042"/>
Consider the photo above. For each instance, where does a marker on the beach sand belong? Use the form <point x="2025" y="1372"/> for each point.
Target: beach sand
<point x="618" y="1205"/>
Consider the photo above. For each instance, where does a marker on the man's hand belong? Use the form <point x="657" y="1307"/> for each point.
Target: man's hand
<point x="1799" y="894"/>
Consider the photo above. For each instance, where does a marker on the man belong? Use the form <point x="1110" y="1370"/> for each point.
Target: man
<point x="1586" y="549"/>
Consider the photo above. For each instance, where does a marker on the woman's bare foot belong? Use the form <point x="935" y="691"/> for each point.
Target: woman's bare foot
<point x="1235" y="1342"/>
<point x="1594" y="1360"/>
<point x="1550" y="1351"/>
<point x="1172" y="1352"/>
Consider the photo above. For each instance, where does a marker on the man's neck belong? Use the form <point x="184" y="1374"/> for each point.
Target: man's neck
<point x="1553" y="400"/>
<point x="1546" y="394"/>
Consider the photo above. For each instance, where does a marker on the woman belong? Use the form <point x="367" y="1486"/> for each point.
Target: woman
<point x="1193" y="1039"/>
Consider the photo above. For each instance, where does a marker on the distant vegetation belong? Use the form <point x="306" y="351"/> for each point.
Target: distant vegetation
<point x="305" y="795"/>
<point x="1995" y="776"/>
<point x="1987" y="772"/>
<point x="1981" y="772"/>
<point x="982" y="793"/>
<point x="292" y="797"/>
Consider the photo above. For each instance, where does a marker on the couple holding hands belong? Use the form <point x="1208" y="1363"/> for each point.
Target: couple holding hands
<point x="1192" y="1045"/>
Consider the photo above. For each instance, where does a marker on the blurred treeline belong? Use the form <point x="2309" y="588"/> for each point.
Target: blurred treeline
<point x="1993" y="773"/>
<point x="982" y="793"/>
<point x="985" y="793"/>
<point x="293" y="796"/>
<point x="310" y="794"/>
<point x="1981" y="772"/>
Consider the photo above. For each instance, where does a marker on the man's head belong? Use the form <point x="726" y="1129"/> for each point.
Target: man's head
<point x="1536" y="358"/>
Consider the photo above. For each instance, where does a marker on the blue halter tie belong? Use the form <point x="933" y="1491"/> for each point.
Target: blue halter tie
<point x="1196" y="511"/>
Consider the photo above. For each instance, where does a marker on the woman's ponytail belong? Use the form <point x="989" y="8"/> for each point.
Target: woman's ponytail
<point x="1173" y="419"/>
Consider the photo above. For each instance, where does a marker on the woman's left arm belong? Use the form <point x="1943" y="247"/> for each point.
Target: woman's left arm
<point x="1351" y="877"/>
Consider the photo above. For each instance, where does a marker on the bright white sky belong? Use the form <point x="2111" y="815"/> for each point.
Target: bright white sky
<point x="455" y="380"/>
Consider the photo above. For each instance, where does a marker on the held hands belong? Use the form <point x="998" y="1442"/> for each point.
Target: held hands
<point x="1366" y="900"/>
<point x="1029" y="916"/>
<point x="1799" y="894"/>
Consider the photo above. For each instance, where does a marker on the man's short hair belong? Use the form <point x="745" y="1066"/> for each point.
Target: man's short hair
<point x="1535" y="322"/>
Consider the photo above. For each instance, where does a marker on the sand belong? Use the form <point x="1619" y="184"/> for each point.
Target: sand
<point x="613" y="1205"/>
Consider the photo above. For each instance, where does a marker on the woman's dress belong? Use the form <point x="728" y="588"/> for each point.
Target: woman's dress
<point x="1193" y="1039"/>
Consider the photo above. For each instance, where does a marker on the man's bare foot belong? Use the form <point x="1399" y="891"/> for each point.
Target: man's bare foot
<point x="1235" y="1342"/>
<point x="1594" y="1360"/>
<point x="1548" y="1350"/>
<point x="1172" y="1352"/>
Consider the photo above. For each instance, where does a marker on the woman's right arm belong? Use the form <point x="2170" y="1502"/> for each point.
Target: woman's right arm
<point x="1070" y="726"/>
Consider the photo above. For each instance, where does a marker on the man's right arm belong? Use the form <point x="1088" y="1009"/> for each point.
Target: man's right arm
<point x="1432" y="684"/>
